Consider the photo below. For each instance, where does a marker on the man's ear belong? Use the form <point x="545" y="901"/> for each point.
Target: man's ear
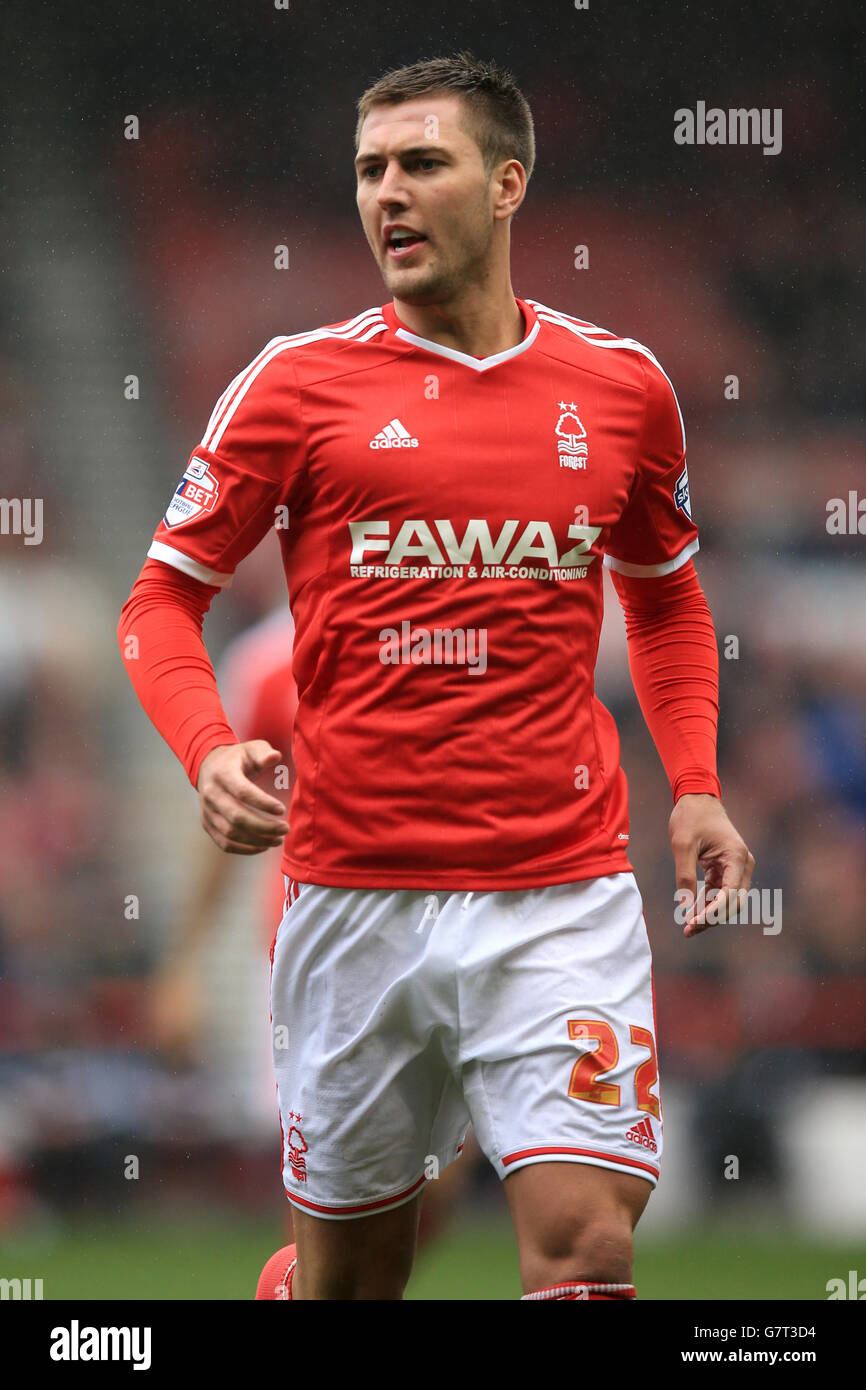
<point x="511" y="178"/>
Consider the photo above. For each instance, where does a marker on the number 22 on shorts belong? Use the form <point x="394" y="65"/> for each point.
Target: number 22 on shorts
<point x="585" y="1082"/>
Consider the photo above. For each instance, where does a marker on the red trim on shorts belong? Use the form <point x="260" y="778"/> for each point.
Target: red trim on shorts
<point x="587" y="1153"/>
<point x="276" y="1083"/>
<point x="363" y="1206"/>
<point x="655" y="1025"/>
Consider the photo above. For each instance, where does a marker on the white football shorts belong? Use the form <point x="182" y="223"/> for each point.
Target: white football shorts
<point x="400" y="1016"/>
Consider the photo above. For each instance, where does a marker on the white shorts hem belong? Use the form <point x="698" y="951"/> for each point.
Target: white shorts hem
<point x="353" y="1211"/>
<point x="614" y="1164"/>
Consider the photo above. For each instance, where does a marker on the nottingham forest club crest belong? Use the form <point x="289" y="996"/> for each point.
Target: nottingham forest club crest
<point x="571" y="438"/>
<point x="196" y="492"/>
<point x="296" y="1147"/>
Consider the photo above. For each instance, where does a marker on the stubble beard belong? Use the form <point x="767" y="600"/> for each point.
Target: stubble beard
<point x="444" y="283"/>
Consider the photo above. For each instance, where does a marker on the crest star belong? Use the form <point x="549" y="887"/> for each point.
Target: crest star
<point x="562" y="405"/>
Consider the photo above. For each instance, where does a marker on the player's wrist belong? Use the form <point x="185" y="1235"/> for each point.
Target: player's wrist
<point x="209" y="758"/>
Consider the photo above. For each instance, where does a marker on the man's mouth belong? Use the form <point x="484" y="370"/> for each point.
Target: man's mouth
<point x="402" y="242"/>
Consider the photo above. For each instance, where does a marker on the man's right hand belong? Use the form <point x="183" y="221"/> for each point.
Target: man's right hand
<point x="238" y="815"/>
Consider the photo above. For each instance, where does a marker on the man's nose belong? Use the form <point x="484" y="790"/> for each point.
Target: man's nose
<point x="392" y="188"/>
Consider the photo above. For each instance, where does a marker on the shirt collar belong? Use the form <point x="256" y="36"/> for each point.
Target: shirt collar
<point x="477" y="364"/>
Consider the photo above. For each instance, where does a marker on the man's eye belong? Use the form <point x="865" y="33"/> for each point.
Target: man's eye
<point x="373" y="170"/>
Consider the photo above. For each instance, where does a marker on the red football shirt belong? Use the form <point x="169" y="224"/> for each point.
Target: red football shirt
<point x="443" y="522"/>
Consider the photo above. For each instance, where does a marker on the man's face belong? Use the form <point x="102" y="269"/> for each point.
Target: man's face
<point x="420" y="172"/>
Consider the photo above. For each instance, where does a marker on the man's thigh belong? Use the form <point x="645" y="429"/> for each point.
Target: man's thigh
<point x="574" y="1222"/>
<point x="367" y="1258"/>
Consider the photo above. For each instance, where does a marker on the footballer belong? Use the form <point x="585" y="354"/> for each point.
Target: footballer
<point x="463" y="939"/>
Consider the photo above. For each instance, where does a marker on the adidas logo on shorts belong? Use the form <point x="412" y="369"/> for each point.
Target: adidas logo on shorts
<point x="642" y="1133"/>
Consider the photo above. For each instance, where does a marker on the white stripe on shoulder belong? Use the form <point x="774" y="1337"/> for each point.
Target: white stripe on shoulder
<point x="651" y="571"/>
<point x="360" y="329"/>
<point x="185" y="563"/>
<point x="221" y="402"/>
<point x="600" y="337"/>
<point x="583" y="324"/>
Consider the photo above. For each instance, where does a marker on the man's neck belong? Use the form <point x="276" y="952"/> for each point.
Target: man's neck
<point x="480" y="328"/>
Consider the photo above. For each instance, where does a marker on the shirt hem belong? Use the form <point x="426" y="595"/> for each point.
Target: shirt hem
<point x="464" y="880"/>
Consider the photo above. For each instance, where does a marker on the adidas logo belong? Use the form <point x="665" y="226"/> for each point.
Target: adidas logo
<point x="394" y="436"/>
<point x="642" y="1133"/>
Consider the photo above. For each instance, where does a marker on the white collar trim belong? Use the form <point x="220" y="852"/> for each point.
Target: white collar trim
<point x="478" y="364"/>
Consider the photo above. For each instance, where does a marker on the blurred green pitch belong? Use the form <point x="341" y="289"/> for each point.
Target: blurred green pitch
<point x="219" y="1256"/>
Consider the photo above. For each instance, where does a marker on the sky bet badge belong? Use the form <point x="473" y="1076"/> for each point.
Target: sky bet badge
<point x="196" y="493"/>
<point x="681" y="494"/>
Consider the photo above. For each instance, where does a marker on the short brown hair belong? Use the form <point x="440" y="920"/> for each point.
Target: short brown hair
<point x="499" y="113"/>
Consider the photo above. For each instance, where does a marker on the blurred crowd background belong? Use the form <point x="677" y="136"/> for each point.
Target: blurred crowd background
<point x="140" y="277"/>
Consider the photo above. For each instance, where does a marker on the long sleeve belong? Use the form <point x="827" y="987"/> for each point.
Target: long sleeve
<point x="674" y="666"/>
<point x="160" y="638"/>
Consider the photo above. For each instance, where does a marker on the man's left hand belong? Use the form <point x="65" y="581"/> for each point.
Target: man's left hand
<point x="701" y="833"/>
